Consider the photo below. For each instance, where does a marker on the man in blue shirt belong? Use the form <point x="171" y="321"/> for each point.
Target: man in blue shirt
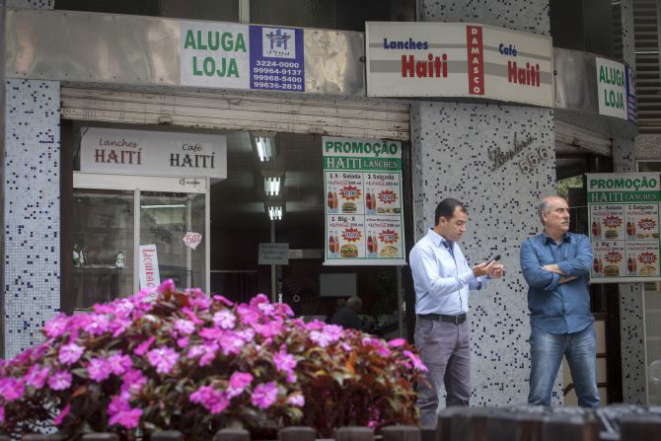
<point x="556" y="265"/>
<point x="442" y="279"/>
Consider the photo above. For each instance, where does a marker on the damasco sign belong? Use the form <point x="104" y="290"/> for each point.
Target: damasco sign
<point x="151" y="153"/>
<point x="458" y="60"/>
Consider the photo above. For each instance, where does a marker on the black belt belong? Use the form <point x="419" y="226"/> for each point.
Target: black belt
<point x="456" y="319"/>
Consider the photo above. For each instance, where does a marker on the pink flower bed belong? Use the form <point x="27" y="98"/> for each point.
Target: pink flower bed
<point x="188" y="362"/>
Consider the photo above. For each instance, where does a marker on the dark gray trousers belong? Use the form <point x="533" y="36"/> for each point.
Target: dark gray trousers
<point x="445" y="349"/>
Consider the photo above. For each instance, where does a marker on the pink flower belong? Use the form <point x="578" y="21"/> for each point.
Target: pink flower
<point x="198" y="299"/>
<point x="98" y="324"/>
<point x="144" y="347"/>
<point x="211" y="333"/>
<point x="58" y="419"/>
<point x="271" y="329"/>
<point x="214" y="401"/>
<point x="119" y="363"/>
<point x="192" y="316"/>
<point x="329" y="334"/>
<point x="207" y="352"/>
<point x="2" y="413"/>
<point x="248" y="315"/>
<point x="36" y="376"/>
<point x="296" y="399"/>
<point x="99" y="369"/>
<point x="167" y="287"/>
<point x="225" y="319"/>
<point x="265" y="395"/>
<point x="231" y="343"/>
<point x="416" y="361"/>
<point x="223" y="300"/>
<point x="183" y="342"/>
<point x="60" y="380"/>
<point x="11" y="388"/>
<point x="397" y="342"/>
<point x="284" y="362"/>
<point x="185" y="327"/>
<point x="71" y="353"/>
<point x="163" y="359"/>
<point x="238" y="383"/>
<point x="57" y="326"/>
<point x="120" y="412"/>
<point x="133" y="382"/>
<point x="123" y="308"/>
<point x="284" y="309"/>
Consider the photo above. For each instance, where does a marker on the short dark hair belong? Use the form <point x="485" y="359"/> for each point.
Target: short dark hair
<point x="446" y="209"/>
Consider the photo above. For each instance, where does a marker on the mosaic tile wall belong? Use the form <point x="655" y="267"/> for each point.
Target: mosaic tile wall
<point x="31" y="4"/>
<point x="32" y="210"/>
<point x="628" y="43"/>
<point x="451" y="144"/>
<point x="648" y="147"/>
<point x="519" y="15"/>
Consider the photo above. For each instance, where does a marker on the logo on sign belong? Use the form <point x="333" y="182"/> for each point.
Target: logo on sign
<point x="388" y="197"/>
<point x="192" y="240"/>
<point x="646" y="224"/>
<point x="612" y="221"/>
<point x="613" y="257"/>
<point x="350" y="192"/>
<point x="648" y="258"/>
<point x="388" y="236"/>
<point x="278" y="43"/>
<point x="352" y="234"/>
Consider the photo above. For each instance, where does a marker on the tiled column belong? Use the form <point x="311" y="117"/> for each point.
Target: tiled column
<point x="451" y="144"/>
<point x="32" y="210"/>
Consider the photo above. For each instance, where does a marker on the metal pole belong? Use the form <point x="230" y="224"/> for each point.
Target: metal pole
<point x="3" y="11"/>
<point x="274" y="275"/>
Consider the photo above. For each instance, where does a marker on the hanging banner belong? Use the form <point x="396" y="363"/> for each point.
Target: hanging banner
<point x="214" y="55"/>
<point x="276" y="59"/>
<point x="624" y="218"/>
<point x="617" y="90"/>
<point x="150" y="153"/>
<point x="458" y="60"/>
<point x="149" y="274"/>
<point x="363" y="191"/>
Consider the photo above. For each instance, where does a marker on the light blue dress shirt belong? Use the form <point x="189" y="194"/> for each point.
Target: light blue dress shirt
<point x="441" y="276"/>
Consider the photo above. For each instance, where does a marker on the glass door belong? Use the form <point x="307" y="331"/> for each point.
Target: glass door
<point x="103" y="242"/>
<point x="174" y="222"/>
<point x="114" y="217"/>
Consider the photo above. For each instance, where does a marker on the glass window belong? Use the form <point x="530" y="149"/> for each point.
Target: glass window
<point x="649" y="166"/>
<point x="212" y="10"/>
<point x="102" y="246"/>
<point x="345" y="15"/>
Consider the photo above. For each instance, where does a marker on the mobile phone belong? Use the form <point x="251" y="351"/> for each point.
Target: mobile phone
<point x="494" y="258"/>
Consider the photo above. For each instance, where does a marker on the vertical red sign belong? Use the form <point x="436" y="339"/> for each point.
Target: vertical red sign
<point x="475" y="60"/>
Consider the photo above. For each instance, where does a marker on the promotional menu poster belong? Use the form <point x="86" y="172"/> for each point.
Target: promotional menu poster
<point x="363" y="192"/>
<point x="624" y="226"/>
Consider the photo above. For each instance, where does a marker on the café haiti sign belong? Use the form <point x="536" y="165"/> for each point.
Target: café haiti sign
<point x="152" y="153"/>
<point x="458" y="60"/>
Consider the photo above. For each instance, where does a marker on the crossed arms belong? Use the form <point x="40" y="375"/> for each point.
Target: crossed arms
<point x="548" y="277"/>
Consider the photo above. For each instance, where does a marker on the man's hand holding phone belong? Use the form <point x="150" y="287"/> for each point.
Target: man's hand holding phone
<point x="490" y="268"/>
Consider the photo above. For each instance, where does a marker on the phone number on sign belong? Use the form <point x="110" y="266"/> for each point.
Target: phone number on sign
<point x="277" y="78"/>
<point x="276" y="71"/>
<point x="290" y="64"/>
<point x="285" y="86"/>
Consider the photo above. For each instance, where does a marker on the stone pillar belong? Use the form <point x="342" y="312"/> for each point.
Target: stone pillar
<point x="451" y="143"/>
<point x="32" y="208"/>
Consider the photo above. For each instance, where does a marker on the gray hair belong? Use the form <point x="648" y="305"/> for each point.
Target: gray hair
<point x="355" y="303"/>
<point x="542" y="208"/>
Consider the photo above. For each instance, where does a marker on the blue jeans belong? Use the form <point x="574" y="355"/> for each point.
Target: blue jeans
<point x="547" y="351"/>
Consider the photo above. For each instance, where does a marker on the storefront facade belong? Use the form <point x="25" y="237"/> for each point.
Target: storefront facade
<point x="464" y="147"/>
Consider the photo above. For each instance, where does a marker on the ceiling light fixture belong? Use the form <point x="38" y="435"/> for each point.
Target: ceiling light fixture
<point x="264" y="143"/>
<point x="275" y="212"/>
<point x="272" y="186"/>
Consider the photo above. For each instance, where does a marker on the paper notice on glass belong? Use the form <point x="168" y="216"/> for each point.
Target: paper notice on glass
<point x="192" y="240"/>
<point x="149" y="274"/>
